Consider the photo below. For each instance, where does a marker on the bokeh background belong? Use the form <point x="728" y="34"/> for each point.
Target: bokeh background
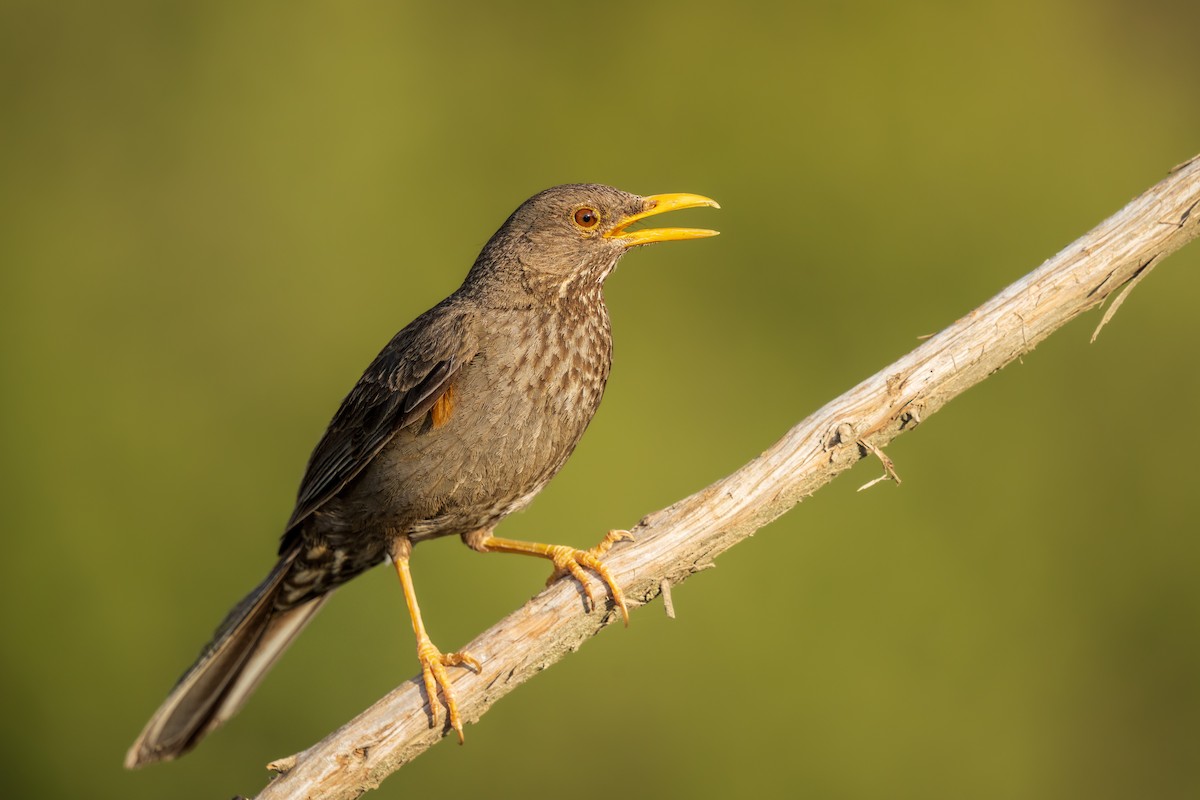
<point x="214" y="214"/>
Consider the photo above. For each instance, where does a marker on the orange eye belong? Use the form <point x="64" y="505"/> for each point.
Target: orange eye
<point x="587" y="218"/>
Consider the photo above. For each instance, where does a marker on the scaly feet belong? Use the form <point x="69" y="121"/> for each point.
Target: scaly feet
<point x="566" y="560"/>
<point x="433" y="661"/>
<point x="569" y="560"/>
<point x="433" y="670"/>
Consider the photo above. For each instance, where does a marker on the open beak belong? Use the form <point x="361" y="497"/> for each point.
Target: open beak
<point x="660" y="204"/>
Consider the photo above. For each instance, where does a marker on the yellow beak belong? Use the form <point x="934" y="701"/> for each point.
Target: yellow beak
<point x="660" y="204"/>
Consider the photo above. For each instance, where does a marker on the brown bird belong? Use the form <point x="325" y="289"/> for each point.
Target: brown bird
<point x="459" y="421"/>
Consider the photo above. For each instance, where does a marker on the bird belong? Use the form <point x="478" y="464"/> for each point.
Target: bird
<point x="460" y="420"/>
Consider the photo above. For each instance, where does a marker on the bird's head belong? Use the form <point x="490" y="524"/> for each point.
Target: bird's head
<point x="569" y="237"/>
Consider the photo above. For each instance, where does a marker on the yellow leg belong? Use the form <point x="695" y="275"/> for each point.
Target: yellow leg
<point x="433" y="661"/>
<point x="566" y="560"/>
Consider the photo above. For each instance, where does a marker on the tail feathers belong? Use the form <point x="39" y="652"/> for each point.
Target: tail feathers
<point x="248" y="642"/>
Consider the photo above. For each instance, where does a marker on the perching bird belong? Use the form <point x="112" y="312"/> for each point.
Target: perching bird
<point x="459" y="421"/>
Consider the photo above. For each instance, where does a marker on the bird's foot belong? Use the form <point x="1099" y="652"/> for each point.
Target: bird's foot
<point x="433" y="670"/>
<point x="568" y="560"/>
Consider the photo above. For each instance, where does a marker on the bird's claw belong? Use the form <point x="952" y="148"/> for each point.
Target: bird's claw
<point x="568" y="560"/>
<point x="433" y="671"/>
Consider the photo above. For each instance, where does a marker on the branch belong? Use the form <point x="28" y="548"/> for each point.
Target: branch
<point x="680" y="540"/>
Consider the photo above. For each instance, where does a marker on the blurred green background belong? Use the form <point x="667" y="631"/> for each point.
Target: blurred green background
<point x="214" y="214"/>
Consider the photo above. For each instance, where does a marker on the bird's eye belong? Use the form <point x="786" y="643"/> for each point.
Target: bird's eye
<point x="587" y="218"/>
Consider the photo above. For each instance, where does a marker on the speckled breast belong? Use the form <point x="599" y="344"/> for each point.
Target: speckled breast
<point x="517" y="411"/>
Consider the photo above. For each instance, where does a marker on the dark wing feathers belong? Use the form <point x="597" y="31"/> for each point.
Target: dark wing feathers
<point x="419" y="399"/>
<point x="397" y="390"/>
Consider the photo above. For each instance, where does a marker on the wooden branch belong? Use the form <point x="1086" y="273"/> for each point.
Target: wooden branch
<point x="686" y="537"/>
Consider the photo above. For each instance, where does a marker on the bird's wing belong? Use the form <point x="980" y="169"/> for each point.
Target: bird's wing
<point x="399" y="388"/>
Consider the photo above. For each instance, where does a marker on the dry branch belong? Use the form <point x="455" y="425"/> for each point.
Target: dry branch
<point x="686" y="537"/>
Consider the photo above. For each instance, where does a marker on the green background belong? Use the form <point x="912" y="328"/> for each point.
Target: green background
<point x="214" y="214"/>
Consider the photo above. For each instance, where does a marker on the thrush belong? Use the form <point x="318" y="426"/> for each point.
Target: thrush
<point x="458" y="422"/>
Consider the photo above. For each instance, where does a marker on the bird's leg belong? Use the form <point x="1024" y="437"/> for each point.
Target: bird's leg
<point x="433" y="661"/>
<point x="565" y="559"/>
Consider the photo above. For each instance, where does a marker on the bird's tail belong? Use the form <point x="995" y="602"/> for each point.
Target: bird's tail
<point x="245" y="646"/>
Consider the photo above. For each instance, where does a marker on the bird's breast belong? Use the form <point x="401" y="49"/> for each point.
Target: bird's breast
<point x="513" y="415"/>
